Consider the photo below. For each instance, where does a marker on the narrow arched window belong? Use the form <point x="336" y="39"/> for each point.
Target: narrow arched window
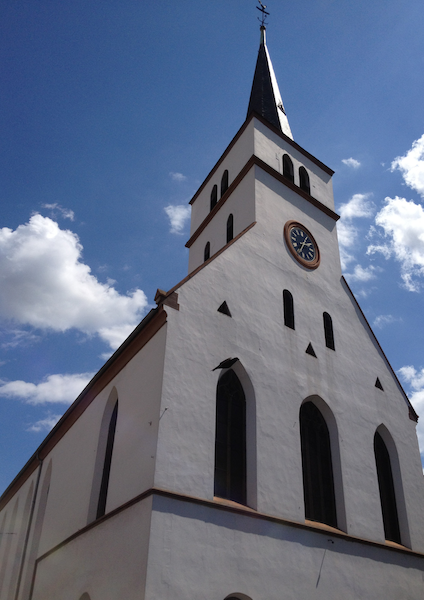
<point x="288" y="168"/>
<point x="288" y="309"/>
<point x="387" y="490"/>
<point x="318" y="481"/>
<point x="214" y="196"/>
<point x="304" y="180"/>
<point x="230" y="439"/>
<point x="224" y="182"/>
<point x="207" y="252"/>
<point x="328" y="331"/>
<point x="101" y="506"/>
<point x="230" y="228"/>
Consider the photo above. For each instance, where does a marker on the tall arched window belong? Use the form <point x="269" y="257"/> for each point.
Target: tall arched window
<point x="214" y="196"/>
<point x="328" y="331"/>
<point x="101" y="506"/>
<point x="230" y="439"/>
<point x="230" y="228"/>
<point x="318" y="481"/>
<point x="224" y="182"/>
<point x="387" y="490"/>
<point x="304" y="180"/>
<point x="288" y="168"/>
<point x="207" y="252"/>
<point x="288" y="309"/>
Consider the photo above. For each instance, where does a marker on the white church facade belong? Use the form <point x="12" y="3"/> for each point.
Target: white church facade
<point x="249" y="440"/>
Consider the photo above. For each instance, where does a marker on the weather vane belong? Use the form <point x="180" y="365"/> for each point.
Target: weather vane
<point x="263" y="11"/>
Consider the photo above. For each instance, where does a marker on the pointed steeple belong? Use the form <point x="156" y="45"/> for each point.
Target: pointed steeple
<point x="265" y="97"/>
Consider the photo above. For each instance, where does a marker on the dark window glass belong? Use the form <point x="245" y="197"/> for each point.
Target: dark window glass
<point x="224" y="183"/>
<point x="207" y="251"/>
<point x="288" y="168"/>
<point x="101" y="507"/>
<point x="318" y="483"/>
<point x="288" y="309"/>
<point x="387" y="490"/>
<point x="328" y="330"/>
<point x="230" y="440"/>
<point x="214" y="196"/>
<point x="230" y="228"/>
<point x="304" y="180"/>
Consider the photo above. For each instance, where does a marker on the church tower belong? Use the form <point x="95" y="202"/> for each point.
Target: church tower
<point x="249" y="440"/>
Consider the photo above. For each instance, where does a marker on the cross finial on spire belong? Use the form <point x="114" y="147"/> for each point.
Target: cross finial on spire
<point x="263" y="11"/>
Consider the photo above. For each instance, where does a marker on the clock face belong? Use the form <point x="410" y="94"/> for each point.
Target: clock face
<point x="301" y="244"/>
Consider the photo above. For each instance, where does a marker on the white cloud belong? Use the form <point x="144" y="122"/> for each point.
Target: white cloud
<point x="177" y="177"/>
<point x="412" y="166"/>
<point x="351" y="162"/>
<point x="403" y="225"/>
<point x="62" y="389"/>
<point x="56" y="209"/>
<point x="383" y="320"/>
<point x="362" y="274"/>
<point x="358" y="206"/>
<point x="415" y="379"/>
<point x="178" y="215"/>
<point x="45" y="284"/>
<point x="44" y="425"/>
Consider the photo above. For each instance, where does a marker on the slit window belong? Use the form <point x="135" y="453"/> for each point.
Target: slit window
<point x="328" y="331"/>
<point x="288" y="168"/>
<point x="288" y="309"/>
<point x="387" y="490"/>
<point x="101" y="506"/>
<point x="230" y="228"/>
<point x="318" y="481"/>
<point x="230" y="439"/>
<point x="214" y="196"/>
<point x="304" y="180"/>
<point x="224" y="182"/>
<point x="207" y="252"/>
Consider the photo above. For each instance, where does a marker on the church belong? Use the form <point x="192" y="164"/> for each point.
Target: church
<point x="249" y="440"/>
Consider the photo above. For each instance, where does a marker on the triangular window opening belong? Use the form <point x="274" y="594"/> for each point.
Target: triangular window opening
<point x="224" y="309"/>
<point x="378" y="384"/>
<point x="310" y="350"/>
<point x="230" y="439"/>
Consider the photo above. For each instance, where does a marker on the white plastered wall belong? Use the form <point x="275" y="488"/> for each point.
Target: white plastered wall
<point x="262" y="560"/>
<point x="251" y="275"/>
<point x="138" y="387"/>
<point x="234" y="161"/>
<point x="270" y="148"/>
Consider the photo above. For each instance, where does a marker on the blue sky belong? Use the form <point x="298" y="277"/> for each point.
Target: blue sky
<point x="112" y="114"/>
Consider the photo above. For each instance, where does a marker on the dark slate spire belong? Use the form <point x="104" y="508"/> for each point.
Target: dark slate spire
<point x="265" y="97"/>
